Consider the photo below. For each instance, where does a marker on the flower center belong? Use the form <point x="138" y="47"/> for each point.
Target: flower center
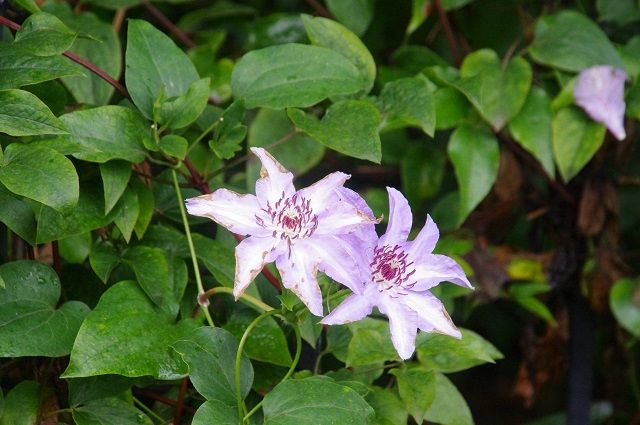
<point x="290" y="218"/>
<point x="390" y="269"/>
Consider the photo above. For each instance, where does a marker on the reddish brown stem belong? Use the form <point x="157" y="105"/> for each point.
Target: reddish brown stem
<point x="164" y="400"/>
<point x="448" y="32"/>
<point x="55" y="252"/>
<point x="166" y="22"/>
<point x="180" y="403"/>
<point x="319" y="9"/>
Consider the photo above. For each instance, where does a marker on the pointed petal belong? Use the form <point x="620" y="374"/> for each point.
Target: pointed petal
<point x="400" y="219"/>
<point x="352" y="309"/>
<point x="322" y="194"/>
<point x="274" y="180"/>
<point x="298" y="273"/>
<point x="403" y="324"/>
<point x="344" y="218"/>
<point x="251" y="256"/>
<point x="426" y="239"/>
<point x="599" y="90"/>
<point x="431" y="312"/>
<point x="334" y="257"/>
<point x="435" y="268"/>
<point x="229" y="209"/>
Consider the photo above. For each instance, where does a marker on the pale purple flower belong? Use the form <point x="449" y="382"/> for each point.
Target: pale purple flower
<point x="299" y="230"/>
<point x="398" y="278"/>
<point x="599" y="90"/>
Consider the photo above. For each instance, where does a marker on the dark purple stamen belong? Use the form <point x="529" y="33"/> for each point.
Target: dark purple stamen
<point x="390" y="269"/>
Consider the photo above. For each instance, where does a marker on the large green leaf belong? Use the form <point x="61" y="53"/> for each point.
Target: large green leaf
<point x="28" y="307"/>
<point x="571" y="41"/>
<point x="417" y="388"/>
<point x="17" y="214"/>
<point x="475" y="156"/>
<point x="109" y="411"/>
<point x="211" y="353"/>
<point x="100" y="45"/>
<point x="298" y="154"/>
<point x="388" y="407"/>
<point x="532" y="128"/>
<point x="127" y="335"/>
<point x="348" y="126"/>
<point x="218" y="258"/>
<point x="126" y="213"/>
<point x="19" y="68"/>
<point x="266" y="342"/>
<point x="315" y="401"/>
<point x="23" y="114"/>
<point x="216" y="412"/>
<point x="497" y="92"/>
<point x="575" y="139"/>
<point x="82" y="390"/>
<point x="408" y="102"/>
<point x="154" y="64"/>
<point x="22" y="404"/>
<point x="370" y="343"/>
<point x="104" y="133"/>
<point x="41" y="174"/>
<point x="354" y="14"/>
<point x="180" y="111"/>
<point x="324" y="32"/>
<point x="625" y="305"/>
<point x="293" y="75"/>
<point x="449" y="406"/>
<point x="44" y="35"/>
<point x="115" y="176"/>
<point x="452" y="107"/>
<point x="446" y="354"/>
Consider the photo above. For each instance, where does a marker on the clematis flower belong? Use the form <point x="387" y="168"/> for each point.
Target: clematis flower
<point x="299" y="230"/>
<point x="400" y="274"/>
<point x="599" y="91"/>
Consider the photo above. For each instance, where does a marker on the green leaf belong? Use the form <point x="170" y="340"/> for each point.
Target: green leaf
<point x="625" y="305"/>
<point x="75" y="249"/>
<point x="422" y="170"/>
<point x="41" y="174"/>
<point x="126" y="335"/>
<point x="417" y="386"/>
<point x="20" y="68"/>
<point x="115" y="176"/>
<point x="475" y="156"/>
<point x="452" y="108"/>
<point x="447" y="354"/>
<point x="218" y="258"/>
<point x="103" y="258"/>
<point x="82" y="390"/>
<point x="146" y="203"/>
<point x="28" y="5"/>
<point x="324" y="32"/>
<point x="266" y="342"/>
<point x="109" y="411"/>
<point x="104" y="133"/>
<point x="497" y="92"/>
<point x="531" y="128"/>
<point x="22" y="405"/>
<point x="115" y="4"/>
<point x="571" y="41"/>
<point x="353" y="14"/>
<point x="370" y="343"/>
<point x="448" y="407"/>
<point x="126" y="213"/>
<point x="299" y="153"/>
<point x="388" y="407"/>
<point x="151" y="268"/>
<point x="180" y="111"/>
<point x="216" y="412"/>
<point x="408" y="102"/>
<point x="211" y="353"/>
<point x="100" y="45"/>
<point x="174" y="146"/>
<point x="229" y="131"/>
<point x="349" y="127"/>
<point x="44" y="35"/>
<point x="620" y="12"/>
<point x="23" y="114"/>
<point x="17" y="214"/>
<point x="315" y="401"/>
<point x="28" y="307"/>
<point x="155" y="63"/>
<point x="575" y="140"/>
<point x="293" y="75"/>
<point x="536" y="307"/>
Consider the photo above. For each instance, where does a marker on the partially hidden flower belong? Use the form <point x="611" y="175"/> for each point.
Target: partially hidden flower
<point x="599" y="90"/>
<point x="298" y="229"/>
<point x="399" y="276"/>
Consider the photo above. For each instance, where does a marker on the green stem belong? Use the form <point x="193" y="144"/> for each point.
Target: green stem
<point x="148" y="411"/>
<point x="192" y="250"/>
<point x="294" y="363"/>
<point x="244" y="297"/>
<point x="243" y="340"/>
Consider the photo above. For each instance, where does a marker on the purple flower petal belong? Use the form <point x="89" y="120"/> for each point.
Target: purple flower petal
<point x="403" y="324"/>
<point x="251" y="256"/>
<point x="229" y="209"/>
<point x="431" y="312"/>
<point x="353" y="308"/>
<point x="323" y="193"/>
<point x="426" y="239"/>
<point x="275" y="180"/>
<point x="298" y="273"/>
<point x="434" y="268"/>
<point x="599" y="90"/>
<point x="400" y="219"/>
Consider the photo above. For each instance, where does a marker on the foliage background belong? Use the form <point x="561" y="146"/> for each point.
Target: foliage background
<point x="466" y="106"/>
